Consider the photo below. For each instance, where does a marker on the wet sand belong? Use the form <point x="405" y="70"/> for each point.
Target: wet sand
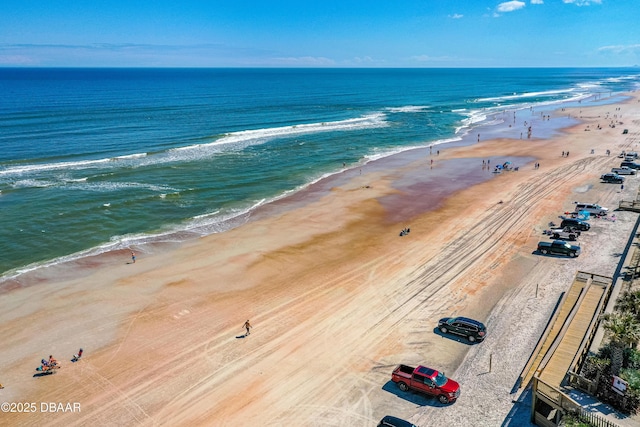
<point x="335" y="296"/>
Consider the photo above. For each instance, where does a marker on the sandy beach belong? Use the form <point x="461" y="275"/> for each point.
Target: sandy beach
<point x="335" y="296"/>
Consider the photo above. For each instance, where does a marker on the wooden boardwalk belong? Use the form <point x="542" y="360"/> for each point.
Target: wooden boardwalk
<point x="569" y="345"/>
<point x="567" y="333"/>
<point x="633" y="206"/>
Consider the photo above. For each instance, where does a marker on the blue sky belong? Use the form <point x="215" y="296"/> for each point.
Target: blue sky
<point x="327" y="33"/>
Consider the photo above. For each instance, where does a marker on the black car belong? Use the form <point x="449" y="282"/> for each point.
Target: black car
<point x="612" y="178"/>
<point x="632" y="165"/>
<point x="575" y="224"/>
<point x="468" y="328"/>
<point x="390" y="421"/>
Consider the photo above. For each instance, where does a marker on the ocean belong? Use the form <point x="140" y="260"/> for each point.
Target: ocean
<point x="95" y="160"/>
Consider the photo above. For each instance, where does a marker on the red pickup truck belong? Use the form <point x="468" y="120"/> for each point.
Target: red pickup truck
<point x="426" y="380"/>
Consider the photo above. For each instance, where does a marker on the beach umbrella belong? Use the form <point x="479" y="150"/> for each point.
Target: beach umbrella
<point x="583" y="215"/>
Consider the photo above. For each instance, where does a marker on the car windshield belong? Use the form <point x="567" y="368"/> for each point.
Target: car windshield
<point x="440" y="379"/>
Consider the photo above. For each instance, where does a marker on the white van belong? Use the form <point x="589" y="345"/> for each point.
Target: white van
<point x="592" y="208"/>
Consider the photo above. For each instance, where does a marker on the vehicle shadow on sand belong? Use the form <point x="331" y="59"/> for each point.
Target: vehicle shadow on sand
<point x="548" y="255"/>
<point x="412" y="396"/>
<point x="454" y="337"/>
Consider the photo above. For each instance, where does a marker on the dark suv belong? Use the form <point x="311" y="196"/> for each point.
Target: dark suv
<point x="468" y="328"/>
<point x="390" y="421"/>
<point x="612" y="178"/>
<point x="575" y="224"/>
<point x="632" y="165"/>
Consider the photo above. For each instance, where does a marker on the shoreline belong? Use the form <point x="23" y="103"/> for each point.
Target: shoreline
<point x="335" y="296"/>
<point x="490" y="127"/>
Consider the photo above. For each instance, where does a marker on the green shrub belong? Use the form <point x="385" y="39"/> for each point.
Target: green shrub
<point x="632" y="376"/>
<point x="632" y="358"/>
<point x="572" y="420"/>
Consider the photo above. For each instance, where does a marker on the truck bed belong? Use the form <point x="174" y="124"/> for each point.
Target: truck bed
<point x="404" y="371"/>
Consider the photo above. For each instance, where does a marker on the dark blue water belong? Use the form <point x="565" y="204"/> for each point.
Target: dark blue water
<point x="98" y="159"/>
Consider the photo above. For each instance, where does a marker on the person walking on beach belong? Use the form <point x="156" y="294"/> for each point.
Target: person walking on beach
<point x="133" y="257"/>
<point x="247" y="326"/>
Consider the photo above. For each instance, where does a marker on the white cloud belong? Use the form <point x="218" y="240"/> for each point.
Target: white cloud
<point x="537" y="2"/>
<point x="456" y="16"/>
<point x="620" y="49"/>
<point x="427" y="58"/>
<point x="361" y="59"/>
<point x="305" y="60"/>
<point x="16" y="60"/>
<point x="582" y="2"/>
<point x="510" y="6"/>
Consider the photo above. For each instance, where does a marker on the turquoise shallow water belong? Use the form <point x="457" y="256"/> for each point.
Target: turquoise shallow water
<point x="101" y="159"/>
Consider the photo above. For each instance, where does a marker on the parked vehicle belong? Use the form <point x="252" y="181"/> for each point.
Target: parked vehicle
<point x="567" y="233"/>
<point x="578" y="224"/>
<point x="468" y="328"/>
<point x="592" y="208"/>
<point x="389" y="421"/>
<point x="632" y="165"/>
<point x="426" y="380"/>
<point x="625" y="170"/>
<point x="559" y="247"/>
<point x="612" y="178"/>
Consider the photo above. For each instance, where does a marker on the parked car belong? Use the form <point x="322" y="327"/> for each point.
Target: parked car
<point x="426" y="380"/>
<point x="626" y="170"/>
<point x="632" y="165"/>
<point x="578" y="224"/>
<point x="559" y="247"/>
<point x="566" y="233"/>
<point x="389" y="421"/>
<point x="592" y="208"/>
<point x="612" y="178"/>
<point x="463" y="326"/>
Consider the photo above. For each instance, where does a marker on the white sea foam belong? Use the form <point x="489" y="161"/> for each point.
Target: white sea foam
<point x="130" y="156"/>
<point x="84" y="185"/>
<point x="234" y="140"/>
<point x="525" y="95"/>
<point x="258" y="136"/>
<point x="32" y="183"/>
<point x="408" y="109"/>
<point x="39" y="167"/>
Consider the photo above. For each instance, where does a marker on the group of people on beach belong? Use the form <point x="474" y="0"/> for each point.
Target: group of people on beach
<point x="48" y="365"/>
<point x="52" y="363"/>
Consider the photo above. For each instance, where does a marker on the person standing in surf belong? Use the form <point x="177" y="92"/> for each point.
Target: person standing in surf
<point x="133" y="257"/>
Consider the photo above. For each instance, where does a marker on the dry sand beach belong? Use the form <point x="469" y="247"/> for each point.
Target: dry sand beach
<point x="336" y="298"/>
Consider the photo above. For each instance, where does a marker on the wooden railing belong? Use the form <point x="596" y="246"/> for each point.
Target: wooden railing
<point x="567" y="405"/>
<point x="629" y="205"/>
